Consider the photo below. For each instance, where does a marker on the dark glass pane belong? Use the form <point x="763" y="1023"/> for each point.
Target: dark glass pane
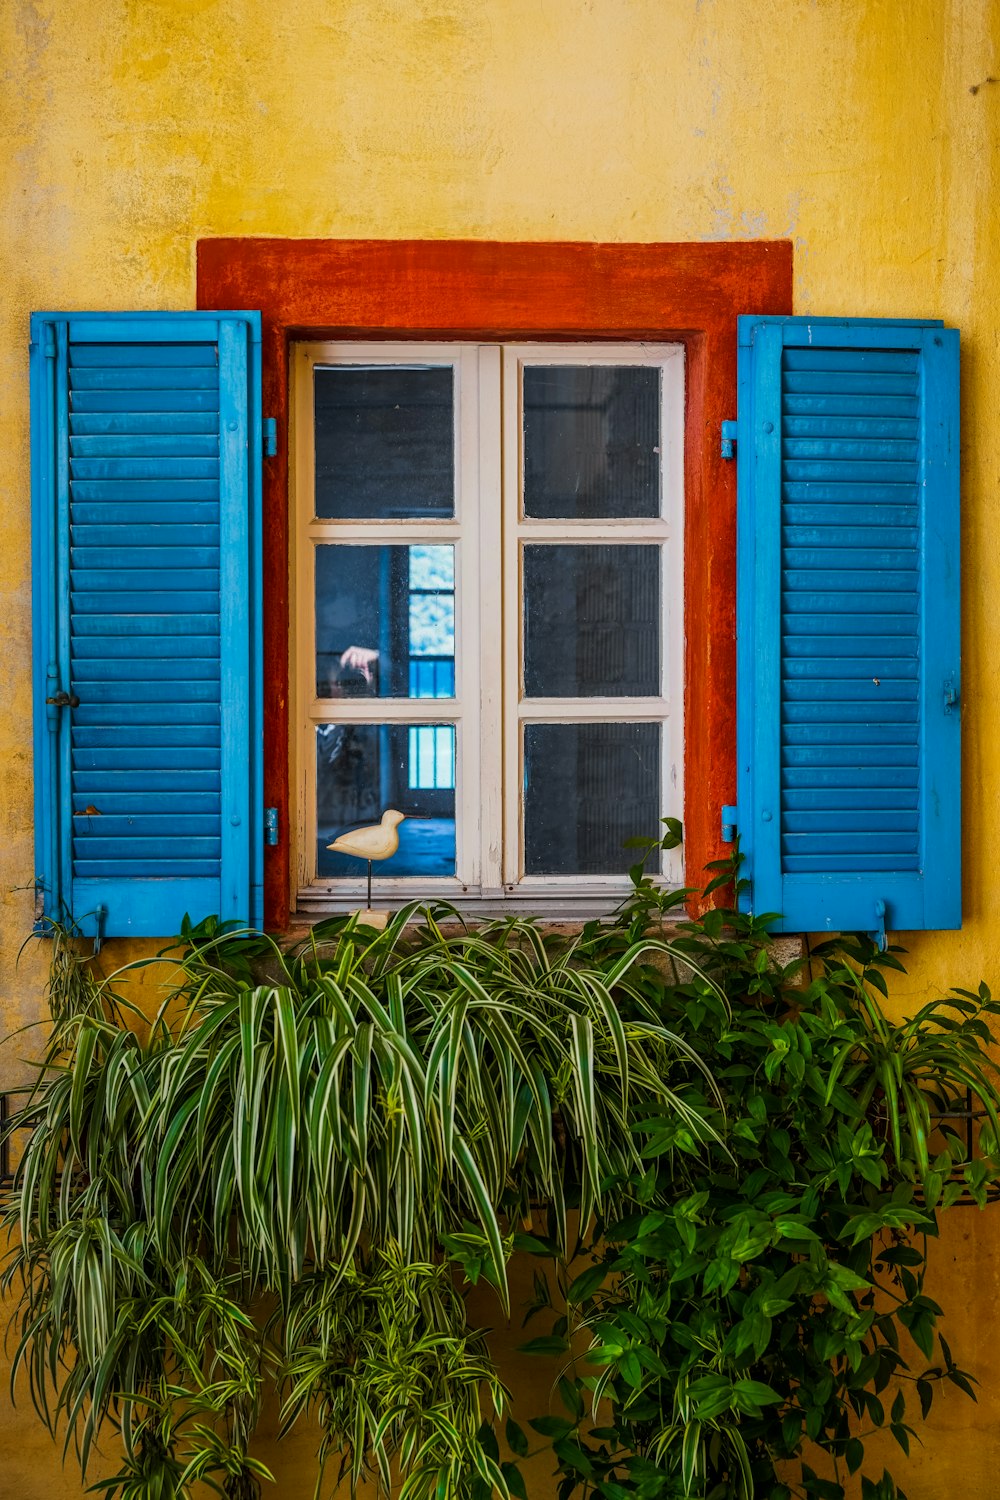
<point x="385" y="444"/>
<point x="591" y="441"/>
<point x="364" y="769"/>
<point x="385" y="621"/>
<point x="591" y="621"/>
<point x="588" y="788"/>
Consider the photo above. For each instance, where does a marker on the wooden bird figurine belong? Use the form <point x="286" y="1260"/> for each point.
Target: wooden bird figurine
<point x="377" y="841"/>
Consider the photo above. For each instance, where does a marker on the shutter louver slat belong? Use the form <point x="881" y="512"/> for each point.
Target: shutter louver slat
<point x="205" y="871"/>
<point x="190" y="533"/>
<point x="143" y="356"/>
<point x="847" y="622"/>
<point x="158" y="772"/>
<point x="112" y="470"/>
<point x="119" y="802"/>
<point x="120" y="492"/>
<point x="109" y="643"/>
<point x="146" y="713"/>
<point x="134" y="402"/>
<point x="85" y="425"/>
<point x="146" y="513"/>
<point x="145" y="625"/>
<point x="131" y="378"/>
<point x="181" y="443"/>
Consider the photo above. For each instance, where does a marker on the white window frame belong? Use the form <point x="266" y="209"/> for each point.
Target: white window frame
<point x="488" y="709"/>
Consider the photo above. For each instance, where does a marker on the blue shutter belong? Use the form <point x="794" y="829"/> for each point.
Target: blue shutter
<point x="848" y="623"/>
<point x="146" y="460"/>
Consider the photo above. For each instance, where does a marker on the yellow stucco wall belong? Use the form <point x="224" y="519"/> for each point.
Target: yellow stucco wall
<point x="864" y="130"/>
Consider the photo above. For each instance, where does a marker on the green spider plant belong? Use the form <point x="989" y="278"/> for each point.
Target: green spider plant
<point x="266" y="1182"/>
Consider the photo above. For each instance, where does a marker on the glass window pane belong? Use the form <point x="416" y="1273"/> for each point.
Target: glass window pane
<point x="364" y="769"/>
<point x="588" y="788"/>
<point x="591" y="441"/>
<point x="385" y="442"/>
<point x="591" y="621"/>
<point x="385" y="621"/>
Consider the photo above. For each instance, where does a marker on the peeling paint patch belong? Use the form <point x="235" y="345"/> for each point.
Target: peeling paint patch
<point x="722" y="213"/>
<point x="794" y="210"/>
<point x="753" y="226"/>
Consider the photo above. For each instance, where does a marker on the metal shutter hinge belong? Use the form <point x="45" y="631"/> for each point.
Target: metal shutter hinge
<point x="730" y="820"/>
<point x="729" y="437"/>
<point x="270" y="436"/>
<point x="951" y="694"/>
<point x="270" y="825"/>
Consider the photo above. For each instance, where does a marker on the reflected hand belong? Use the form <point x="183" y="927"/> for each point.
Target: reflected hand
<point x="360" y="659"/>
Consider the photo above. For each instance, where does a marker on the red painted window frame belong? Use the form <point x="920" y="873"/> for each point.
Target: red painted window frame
<point x="491" y="291"/>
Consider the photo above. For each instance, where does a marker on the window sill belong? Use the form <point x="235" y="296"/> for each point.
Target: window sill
<point x="579" y="901"/>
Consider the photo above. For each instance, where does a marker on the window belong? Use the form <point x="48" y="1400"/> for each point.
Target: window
<point x="488" y="628"/>
<point x="490" y="292"/>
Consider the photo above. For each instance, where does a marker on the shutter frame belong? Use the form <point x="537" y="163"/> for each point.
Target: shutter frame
<point x="229" y="882"/>
<point x="836" y="899"/>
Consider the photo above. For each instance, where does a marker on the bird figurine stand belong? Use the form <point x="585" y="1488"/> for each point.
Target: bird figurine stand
<point x="376" y="842"/>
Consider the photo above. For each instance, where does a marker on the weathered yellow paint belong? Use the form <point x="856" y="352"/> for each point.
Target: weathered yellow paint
<point x="865" y="130"/>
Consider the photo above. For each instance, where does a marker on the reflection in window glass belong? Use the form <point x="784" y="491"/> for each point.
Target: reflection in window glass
<point x="588" y="788"/>
<point x="385" y="621"/>
<point x="591" y="441"/>
<point x="591" y="621"/>
<point x="432" y="624"/>
<point x="363" y="769"/>
<point x="432" y="567"/>
<point x="432" y="757"/>
<point x="385" y="442"/>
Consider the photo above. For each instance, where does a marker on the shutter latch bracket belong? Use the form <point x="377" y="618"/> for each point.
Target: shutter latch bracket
<point x="729" y="435"/>
<point x="100" y="920"/>
<point x="270" y="436"/>
<point x="877" y="934"/>
<point x="730" y="820"/>
<point x="951" y="694"/>
<point x="270" y="825"/>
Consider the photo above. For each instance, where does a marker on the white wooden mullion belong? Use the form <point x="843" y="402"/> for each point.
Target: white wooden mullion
<point x="385" y="711"/>
<point x="468" y="730"/>
<point x="601" y="533"/>
<point x="592" y="710"/>
<point x="302" y="614"/>
<point x="637" y="353"/>
<point x="384" y="533"/>
<point x="512" y="470"/>
<point x="490" y="813"/>
<point x="672" y="602"/>
<point x="398" y="353"/>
